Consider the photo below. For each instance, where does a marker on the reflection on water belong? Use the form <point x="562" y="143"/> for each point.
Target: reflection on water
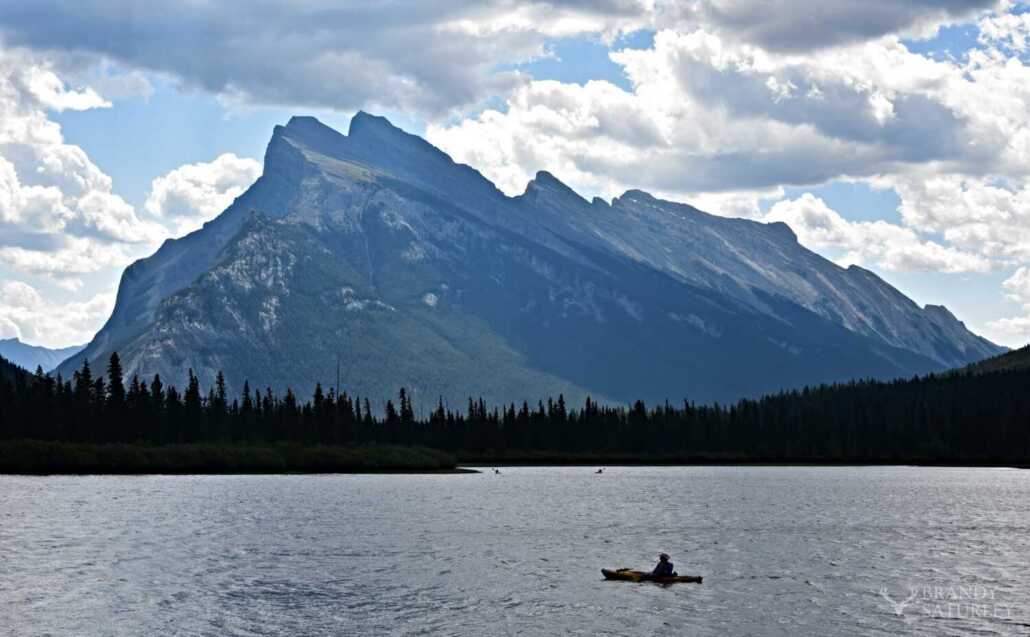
<point x="818" y="551"/>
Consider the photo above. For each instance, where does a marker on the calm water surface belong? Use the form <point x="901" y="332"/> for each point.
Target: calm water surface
<point x="784" y="551"/>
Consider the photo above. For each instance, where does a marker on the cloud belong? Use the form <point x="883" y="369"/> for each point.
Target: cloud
<point x="190" y="195"/>
<point x="706" y="114"/>
<point x="984" y="214"/>
<point x="408" y="55"/>
<point x="51" y="93"/>
<point x="1016" y="329"/>
<point x="803" y="25"/>
<point x="8" y="328"/>
<point x="1009" y="30"/>
<point x="60" y="219"/>
<point x="58" y="213"/>
<point x="1017" y="287"/>
<point x="420" y="57"/>
<point x="31" y="317"/>
<point x="21" y="295"/>
<point x="868" y="243"/>
<point x="70" y="258"/>
<point x="426" y="57"/>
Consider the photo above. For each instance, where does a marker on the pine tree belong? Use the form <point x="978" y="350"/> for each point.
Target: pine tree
<point x="391" y="414"/>
<point x="407" y="413"/>
<point x="192" y="409"/>
<point x="115" y="383"/>
<point x="248" y="403"/>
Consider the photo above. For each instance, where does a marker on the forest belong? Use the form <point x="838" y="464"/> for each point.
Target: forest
<point x="962" y="417"/>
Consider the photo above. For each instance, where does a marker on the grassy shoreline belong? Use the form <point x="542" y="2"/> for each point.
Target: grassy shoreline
<point x="30" y="457"/>
<point x="545" y="459"/>
<point x="33" y="457"/>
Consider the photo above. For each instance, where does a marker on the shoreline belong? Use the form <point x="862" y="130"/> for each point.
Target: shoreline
<point x="694" y="462"/>
<point x="47" y="458"/>
<point x="414" y="472"/>
<point x="33" y="457"/>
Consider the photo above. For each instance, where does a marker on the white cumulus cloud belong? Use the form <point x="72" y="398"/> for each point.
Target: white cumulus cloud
<point x="59" y="215"/>
<point x="869" y="243"/>
<point x="50" y="322"/>
<point x="190" y="195"/>
<point x="61" y="221"/>
<point x="1017" y="289"/>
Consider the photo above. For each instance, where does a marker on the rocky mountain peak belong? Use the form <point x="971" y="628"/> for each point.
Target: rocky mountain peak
<point x="783" y="230"/>
<point x="634" y="196"/>
<point x="545" y="186"/>
<point x="377" y="243"/>
<point x="365" y="124"/>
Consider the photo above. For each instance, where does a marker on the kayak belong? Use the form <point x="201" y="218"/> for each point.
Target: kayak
<point x="629" y="575"/>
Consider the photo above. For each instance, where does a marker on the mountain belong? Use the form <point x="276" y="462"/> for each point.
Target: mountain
<point x="377" y="248"/>
<point x="1016" y="360"/>
<point x="8" y="370"/>
<point x="32" y="356"/>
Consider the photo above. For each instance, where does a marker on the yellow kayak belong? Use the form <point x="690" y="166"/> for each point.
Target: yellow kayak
<point x="629" y="575"/>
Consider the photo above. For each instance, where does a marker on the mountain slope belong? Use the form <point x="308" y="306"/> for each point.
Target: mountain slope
<point x="417" y="271"/>
<point x="9" y="371"/>
<point x="266" y="297"/>
<point x="1016" y="360"/>
<point x="32" y="356"/>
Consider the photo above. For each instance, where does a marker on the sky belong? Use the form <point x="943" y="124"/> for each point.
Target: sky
<point x="892" y="135"/>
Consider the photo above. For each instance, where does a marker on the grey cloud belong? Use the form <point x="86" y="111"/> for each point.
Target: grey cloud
<point x="391" y="54"/>
<point x="681" y="171"/>
<point x="39" y="241"/>
<point x="800" y="25"/>
<point x="918" y="130"/>
<point x="322" y="54"/>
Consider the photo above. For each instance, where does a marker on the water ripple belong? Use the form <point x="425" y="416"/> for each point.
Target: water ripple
<point x="784" y="551"/>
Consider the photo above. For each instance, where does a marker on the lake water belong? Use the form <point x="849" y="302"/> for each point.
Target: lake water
<point x="784" y="551"/>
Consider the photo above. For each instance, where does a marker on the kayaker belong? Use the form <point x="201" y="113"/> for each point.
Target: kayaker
<point x="664" y="566"/>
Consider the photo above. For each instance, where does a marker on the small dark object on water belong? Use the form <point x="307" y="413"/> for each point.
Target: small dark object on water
<point x="629" y="575"/>
<point x="497" y="471"/>
<point x="599" y="471"/>
<point x="665" y="567"/>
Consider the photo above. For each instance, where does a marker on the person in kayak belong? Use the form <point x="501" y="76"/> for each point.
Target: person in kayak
<point x="664" y="566"/>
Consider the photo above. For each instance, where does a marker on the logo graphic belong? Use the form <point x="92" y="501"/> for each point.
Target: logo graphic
<point x="899" y="607"/>
<point x="962" y="601"/>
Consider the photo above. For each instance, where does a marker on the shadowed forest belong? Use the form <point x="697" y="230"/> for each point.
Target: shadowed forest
<point x="961" y="417"/>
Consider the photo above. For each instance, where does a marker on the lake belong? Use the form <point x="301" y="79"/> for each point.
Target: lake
<point x="783" y="550"/>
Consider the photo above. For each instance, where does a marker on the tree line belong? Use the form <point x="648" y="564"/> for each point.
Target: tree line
<point x="954" y="417"/>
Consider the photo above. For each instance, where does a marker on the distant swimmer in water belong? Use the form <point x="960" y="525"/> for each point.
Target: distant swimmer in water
<point x="599" y="471"/>
<point x="497" y="471"/>
<point x="664" y="566"/>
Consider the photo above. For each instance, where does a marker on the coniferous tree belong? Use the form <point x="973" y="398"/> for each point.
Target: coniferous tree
<point x="192" y="409"/>
<point x="115" y="383"/>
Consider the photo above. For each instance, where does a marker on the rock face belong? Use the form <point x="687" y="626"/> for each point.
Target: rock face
<point x="416" y="271"/>
<point x="30" y="357"/>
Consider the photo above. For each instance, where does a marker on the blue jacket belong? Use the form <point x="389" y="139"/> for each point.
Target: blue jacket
<point x="663" y="569"/>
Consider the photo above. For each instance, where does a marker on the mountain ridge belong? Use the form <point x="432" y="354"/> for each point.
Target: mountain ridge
<point x="30" y="357"/>
<point x="545" y="276"/>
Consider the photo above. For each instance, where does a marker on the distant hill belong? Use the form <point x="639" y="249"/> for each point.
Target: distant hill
<point x="1010" y="361"/>
<point x="32" y="356"/>
<point x="8" y="370"/>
